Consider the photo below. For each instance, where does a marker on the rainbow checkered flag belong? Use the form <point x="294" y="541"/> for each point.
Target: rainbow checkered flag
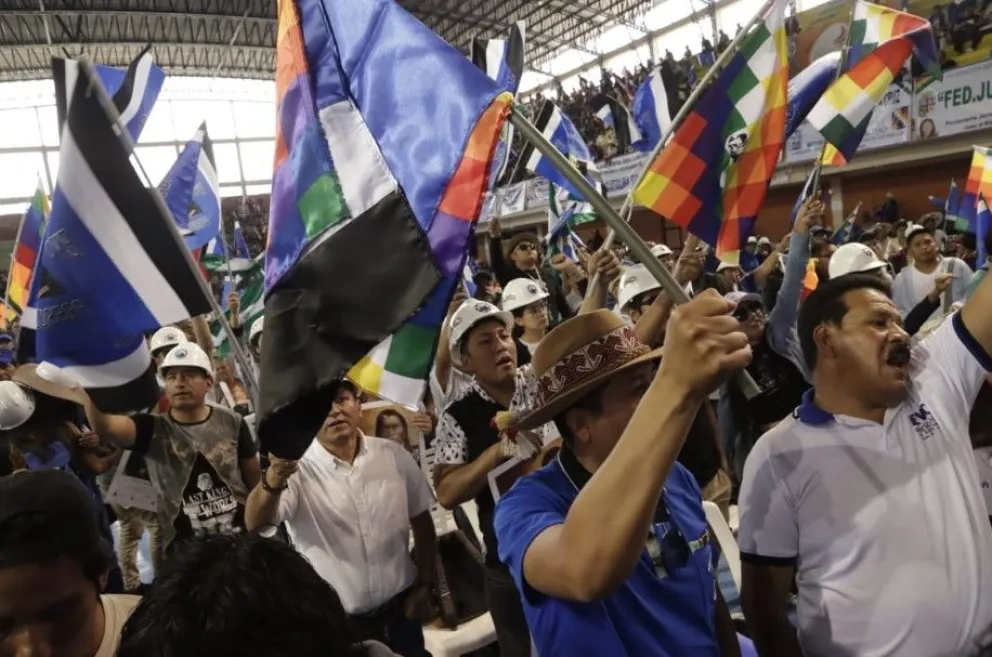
<point x="367" y="236"/>
<point x="880" y="42"/>
<point x="712" y="176"/>
<point x="979" y="184"/>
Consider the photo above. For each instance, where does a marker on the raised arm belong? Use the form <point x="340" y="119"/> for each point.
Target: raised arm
<point x="592" y="552"/>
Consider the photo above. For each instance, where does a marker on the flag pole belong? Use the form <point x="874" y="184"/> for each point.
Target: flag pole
<point x="841" y="66"/>
<point x="10" y="268"/>
<point x="603" y="208"/>
<point x="628" y="203"/>
<point x="165" y="215"/>
<point x="225" y="326"/>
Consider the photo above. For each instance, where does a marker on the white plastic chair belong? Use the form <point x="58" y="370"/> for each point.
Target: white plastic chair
<point x="725" y="537"/>
<point x="467" y="637"/>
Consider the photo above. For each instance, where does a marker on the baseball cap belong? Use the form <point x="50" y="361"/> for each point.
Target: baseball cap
<point x="752" y="240"/>
<point x="7" y="357"/>
<point x="59" y="517"/>
<point x="6" y="336"/>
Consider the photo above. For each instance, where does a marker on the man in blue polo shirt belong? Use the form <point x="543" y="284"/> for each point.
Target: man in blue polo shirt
<point x="573" y="533"/>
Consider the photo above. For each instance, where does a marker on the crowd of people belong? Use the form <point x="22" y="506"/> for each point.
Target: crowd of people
<point x="860" y="470"/>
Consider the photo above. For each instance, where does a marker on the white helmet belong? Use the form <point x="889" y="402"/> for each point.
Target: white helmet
<point x="468" y="315"/>
<point x="188" y="354"/>
<point x="16" y="405"/>
<point x="724" y="266"/>
<point x="660" y="251"/>
<point x="167" y="336"/>
<point x="256" y="329"/>
<point x="521" y="292"/>
<point x="854" y="258"/>
<point x="636" y="280"/>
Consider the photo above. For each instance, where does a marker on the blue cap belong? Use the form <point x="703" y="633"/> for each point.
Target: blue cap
<point x="7" y="357"/>
<point x="6" y="336"/>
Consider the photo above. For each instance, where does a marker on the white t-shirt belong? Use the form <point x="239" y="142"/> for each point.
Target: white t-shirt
<point x="983" y="456"/>
<point x="352" y="521"/>
<point x="886" y="524"/>
<point x="923" y="283"/>
<point x="116" y="610"/>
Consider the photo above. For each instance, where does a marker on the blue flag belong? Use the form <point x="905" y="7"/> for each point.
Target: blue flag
<point x="806" y="89"/>
<point x="651" y="112"/>
<point x="468" y="277"/>
<point x="561" y="132"/>
<point x="192" y="192"/>
<point x="134" y="91"/>
<point x="110" y="268"/>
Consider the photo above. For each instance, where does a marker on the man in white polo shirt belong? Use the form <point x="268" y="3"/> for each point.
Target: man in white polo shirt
<point x="870" y="492"/>
<point x="349" y="505"/>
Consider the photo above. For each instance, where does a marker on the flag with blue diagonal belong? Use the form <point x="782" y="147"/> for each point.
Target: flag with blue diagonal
<point x="503" y="61"/>
<point x="650" y="111"/>
<point x="134" y="91"/>
<point x="560" y="131"/>
<point x="111" y="267"/>
<point x="192" y="191"/>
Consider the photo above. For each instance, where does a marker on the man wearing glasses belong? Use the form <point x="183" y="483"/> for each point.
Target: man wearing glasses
<point x="608" y="544"/>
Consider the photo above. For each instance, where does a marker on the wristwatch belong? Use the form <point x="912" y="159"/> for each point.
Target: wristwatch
<point x="270" y="489"/>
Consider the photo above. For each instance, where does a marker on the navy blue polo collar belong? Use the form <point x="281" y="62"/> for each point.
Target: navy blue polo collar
<point x="811" y="414"/>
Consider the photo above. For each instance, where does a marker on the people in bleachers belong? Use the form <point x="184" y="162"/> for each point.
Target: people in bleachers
<point x="350" y="505"/>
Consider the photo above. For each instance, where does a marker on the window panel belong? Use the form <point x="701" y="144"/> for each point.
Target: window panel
<point x="19" y="128"/>
<point x="668" y="12"/>
<point x="159" y="126"/>
<point x="21" y="172"/>
<point x="226" y="159"/>
<point x="53" y="165"/>
<point x="677" y="40"/>
<point x="187" y="116"/>
<point x="255" y="119"/>
<point x="253" y="190"/>
<point x="739" y="13"/>
<point x="49" y="123"/>
<point x="257" y="158"/>
<point x="156" y="161"/>
<point x="228" y="191"/>
<point x="13" y="208"/>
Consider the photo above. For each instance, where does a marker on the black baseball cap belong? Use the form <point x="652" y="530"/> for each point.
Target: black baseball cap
<point x="54" y="513"/>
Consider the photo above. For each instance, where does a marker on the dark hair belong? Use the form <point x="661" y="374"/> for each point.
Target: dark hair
<point x="592" y="401"/>
<point x="819" y="246"/>
<point x="93" y="554"/>
<point x="227" y="596"/>
<point x="390" y="412"/>
<point x="826" y="306"/>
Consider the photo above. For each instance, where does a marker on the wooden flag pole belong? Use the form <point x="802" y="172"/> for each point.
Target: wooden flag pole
<point x="165" y="215"/>
<point x="603" y="208"/>
<point x="628" y="203"/>
<point x="841" y="66"/>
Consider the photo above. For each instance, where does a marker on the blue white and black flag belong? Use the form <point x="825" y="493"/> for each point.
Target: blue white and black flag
<point x="110" y="267"/>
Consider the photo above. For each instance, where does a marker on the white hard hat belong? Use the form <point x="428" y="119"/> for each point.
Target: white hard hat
<point x="468" y="315"/>
<point x="256" y="329"/>
<point x="912" y="230"/>
<point x="763" y="241"/>
<point x="723" y="266"/>
<point x="16" y="405"/>
<point x="660" y="251"/>
<point x="188" y="354"/>
<point x="636" y="280"/>
<point x="167" y="336"/>
<point x="521" y="292"/>
<point x="854" y="258"/>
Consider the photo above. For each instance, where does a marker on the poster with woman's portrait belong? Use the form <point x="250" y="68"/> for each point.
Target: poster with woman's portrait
<point x="390" y="421"/>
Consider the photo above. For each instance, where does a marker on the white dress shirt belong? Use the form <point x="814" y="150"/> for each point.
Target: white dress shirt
<point x="352" y="521"/>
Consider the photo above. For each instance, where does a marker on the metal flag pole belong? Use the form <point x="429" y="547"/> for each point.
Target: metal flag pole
<point x="841" y="67"/>
<point x="628" y="203"/>
<point x="225" y="326"/>
<point x="165" y="215"/>
<point x="622" y="228"/>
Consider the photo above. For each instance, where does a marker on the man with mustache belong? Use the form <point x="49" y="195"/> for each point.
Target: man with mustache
<point x="916" y="281"/>
<point x="868" y="496"/>
<point x="350" y="504"/>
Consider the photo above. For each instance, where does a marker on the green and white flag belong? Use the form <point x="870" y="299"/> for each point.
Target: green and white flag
<point x="250" y="288"/>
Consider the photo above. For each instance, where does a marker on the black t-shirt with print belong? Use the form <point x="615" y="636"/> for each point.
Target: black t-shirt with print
<point x="207" y="506"/>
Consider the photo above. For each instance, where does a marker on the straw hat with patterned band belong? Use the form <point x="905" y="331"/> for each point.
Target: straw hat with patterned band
<point x="576" y="357"/>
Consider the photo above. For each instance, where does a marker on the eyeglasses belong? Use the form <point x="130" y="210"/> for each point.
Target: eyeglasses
<point x="525" y="247"/>
<point x="742" y="314"/>
<point x="669" y="550"/>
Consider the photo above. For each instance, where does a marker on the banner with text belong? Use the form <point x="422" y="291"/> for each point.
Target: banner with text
<point x="890" y="125"/>
<point x="961" y="102"/>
